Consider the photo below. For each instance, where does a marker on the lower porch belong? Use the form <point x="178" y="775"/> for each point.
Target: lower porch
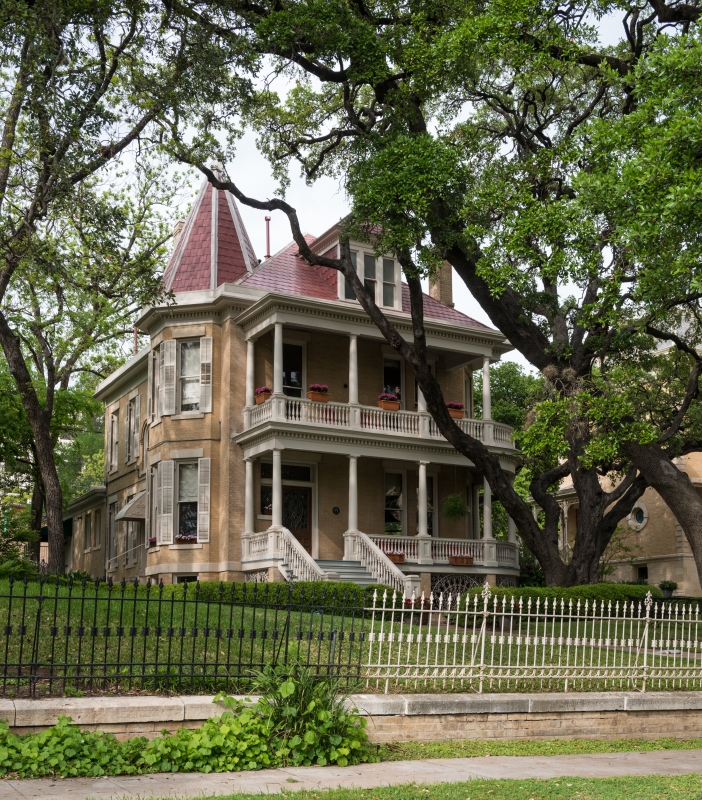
<point x="332" y="516"/>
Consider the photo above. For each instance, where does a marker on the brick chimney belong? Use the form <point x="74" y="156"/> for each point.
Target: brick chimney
<point x="177" y="230"/>
<point x="441" y="285"/>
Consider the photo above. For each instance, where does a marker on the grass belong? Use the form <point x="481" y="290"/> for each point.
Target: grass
<point x="683" y="787"/>
<point x="414" y="751"/>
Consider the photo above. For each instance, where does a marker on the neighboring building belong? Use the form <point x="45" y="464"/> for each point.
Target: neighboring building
<point x="203" y="481"/>
<point x="659" y="549"/>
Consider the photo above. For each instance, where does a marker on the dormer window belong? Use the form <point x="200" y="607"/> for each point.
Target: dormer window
<point x="380" y="276"/>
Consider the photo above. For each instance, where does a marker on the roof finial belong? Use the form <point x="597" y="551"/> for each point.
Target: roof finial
<point x="268" y="237"/>
<point x="218" y="168"/>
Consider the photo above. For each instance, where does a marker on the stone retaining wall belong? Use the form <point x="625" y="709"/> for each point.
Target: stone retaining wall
<point x="606" y="715"/>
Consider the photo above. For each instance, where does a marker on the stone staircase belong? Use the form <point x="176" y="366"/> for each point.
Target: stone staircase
<point x="348" y="571"/>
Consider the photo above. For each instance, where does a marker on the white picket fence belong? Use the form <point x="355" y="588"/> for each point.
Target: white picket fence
<point x="485" y="643"/>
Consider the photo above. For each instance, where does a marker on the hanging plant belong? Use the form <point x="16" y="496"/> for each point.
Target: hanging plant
<point x="454" y="508"/>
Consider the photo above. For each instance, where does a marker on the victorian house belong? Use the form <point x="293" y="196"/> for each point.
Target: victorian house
<point x="222" y="464"/>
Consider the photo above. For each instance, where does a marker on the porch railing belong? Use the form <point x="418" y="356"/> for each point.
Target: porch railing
<point x="359" y="546"/>
<point x="369" y="418"/>
<point x="439" y="551"/>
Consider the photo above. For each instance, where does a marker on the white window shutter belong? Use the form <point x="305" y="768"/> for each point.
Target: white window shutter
<point x="168" y="377"/>
<point x="165" y="502"/>
<point x="108" y="427"/>
<point x="147" y="507"/>
<point x="128" y="437"/>
<point x="137" y="425"/>
<point x="150" y="388"/>
<point x="203" y="500"/>
<point x="206" y="373"/>
<point x="126" y="540"/>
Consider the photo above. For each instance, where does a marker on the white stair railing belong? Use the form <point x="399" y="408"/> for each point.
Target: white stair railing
<point x="299" y="562"/>
<point x="360" y="547"/>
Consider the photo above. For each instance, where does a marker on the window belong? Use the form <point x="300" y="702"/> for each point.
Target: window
<point x="132" y="429"/>
<point x="288" y="472"/>
<point x="430" y="505"/>
<point x="113" y="441"/>
<point x="379" y="278"/>
<point x="642" y="574"/>
<point x="388" y="282"/>
<point x="189" y="376"/>
<point x="348" y="291"/>
<point x="392" y="377"/>
<point x="393" y="503"/>
<point x="187" y="503"/>
<point x="293" y="359"/>
<point x="266" y="500"/>
<point x="97" y="529"/>
<point x="369" y="274"/>
<point x="87" y="532"/>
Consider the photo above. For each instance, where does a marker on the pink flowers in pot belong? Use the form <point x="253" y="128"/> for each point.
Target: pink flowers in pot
<point x="389" y="397"/>
<point x="321" y="388"/>
<point x="264" y="390"/>
<point x="456" y="406"/>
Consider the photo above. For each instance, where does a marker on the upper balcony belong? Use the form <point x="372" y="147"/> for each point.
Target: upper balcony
<point x="354" y="417"/>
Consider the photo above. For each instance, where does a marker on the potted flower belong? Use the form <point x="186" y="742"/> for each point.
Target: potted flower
<point x="319" y="392"/>
<point x="188" y="538"/>
<point x="667" y="587"/>
<point x="456" y="410"/>
<point x="152" y="541"/>
<point x="388" y="402"/>
<point x="262" y="394"/>
<point x="395" y="555"/>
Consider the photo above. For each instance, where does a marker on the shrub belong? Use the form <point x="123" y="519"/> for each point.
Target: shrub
<point x="453" y="507"/>
<point x="670" y="586"/>
<point x="621" y="592"/>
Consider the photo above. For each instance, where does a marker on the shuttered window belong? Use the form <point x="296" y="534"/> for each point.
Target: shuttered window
<point x="206" y="374"/>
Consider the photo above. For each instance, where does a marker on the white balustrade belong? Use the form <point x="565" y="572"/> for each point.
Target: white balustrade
<point x="255" y="546"/>
<point x="368" y="418"/>
<point x="443" y="549"/>
<point x="362" y="548"/>
<point x="299" y="562"/>
<point x="377" y="419"/>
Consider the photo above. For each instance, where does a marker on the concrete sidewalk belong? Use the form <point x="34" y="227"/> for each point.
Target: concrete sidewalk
<point x="367" y="776"/>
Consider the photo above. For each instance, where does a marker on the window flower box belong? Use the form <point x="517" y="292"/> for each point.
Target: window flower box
<point x="189" y="539"/>
<point x="152" y="541"/>
<point x="388" y="402"/>
<point x="456" y="410"/>
<point x="262" y="394"/>
<point x="461" y="561"/>
<point x="319" y="392"/>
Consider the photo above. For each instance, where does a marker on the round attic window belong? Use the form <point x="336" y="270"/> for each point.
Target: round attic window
<point x="638" y="517"/>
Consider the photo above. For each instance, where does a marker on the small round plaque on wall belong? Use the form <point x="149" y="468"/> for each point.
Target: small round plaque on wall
<point x="336" y="510"/>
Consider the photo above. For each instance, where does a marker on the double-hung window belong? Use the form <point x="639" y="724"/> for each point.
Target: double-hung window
<point x="185" y="376"/>
<point x="392" y="377"/>
<point x="379" y="276"/>
<point x="182" y="502"/>
<point x="394" y="504"/>
<point x="113" y="441"/>
<point x="87" y="532"/>
<point x="186" y="530"/>
<point x="293" y="366"/>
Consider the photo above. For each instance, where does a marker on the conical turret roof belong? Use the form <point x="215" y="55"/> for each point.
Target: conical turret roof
<point x="213" y="248"/>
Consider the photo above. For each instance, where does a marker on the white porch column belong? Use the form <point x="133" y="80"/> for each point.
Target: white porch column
<point x="476" y="512"/>
<point x="250" y="374"/>
<point x="511" y="527"/>
<point x="249" y="497"/>
<point x="421" y="402"/>
<point x="353" y="493"/>
<point x="487" y="510"/>
<point x="277" y="491"/>
<point x="487" y="399"/>
<point x="278" y="359"/>
<point x="353" y="368"/>
<point x="422" y="501"/>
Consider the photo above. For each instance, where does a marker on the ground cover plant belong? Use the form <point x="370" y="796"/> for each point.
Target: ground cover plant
<point x="299" y="722"/>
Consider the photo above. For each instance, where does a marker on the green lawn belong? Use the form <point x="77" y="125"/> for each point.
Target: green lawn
<point x="686" y="787"/>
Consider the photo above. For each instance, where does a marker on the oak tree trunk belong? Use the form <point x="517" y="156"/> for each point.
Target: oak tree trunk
<point x="40" y="422"/>
<point x="37" y="514"/>
<point x="676" y="490"/>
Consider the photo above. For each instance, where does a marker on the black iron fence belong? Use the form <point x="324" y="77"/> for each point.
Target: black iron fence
<point x="64" y="637"/>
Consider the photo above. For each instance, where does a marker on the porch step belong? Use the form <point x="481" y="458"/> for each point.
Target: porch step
<point x="348" y="571"/>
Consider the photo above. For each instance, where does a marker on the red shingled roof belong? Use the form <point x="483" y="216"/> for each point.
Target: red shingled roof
<point x="210" y="251"/>
<point x="287" y="273"/>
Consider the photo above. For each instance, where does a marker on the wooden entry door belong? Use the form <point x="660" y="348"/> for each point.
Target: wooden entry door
<point x="297" y="514"/>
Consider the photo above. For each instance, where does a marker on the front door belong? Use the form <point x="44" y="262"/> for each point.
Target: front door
<point x="297" y="504"/>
